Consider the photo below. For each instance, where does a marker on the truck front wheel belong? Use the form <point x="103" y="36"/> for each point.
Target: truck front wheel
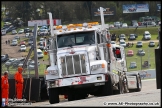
<point x="53" y="95"/>
<point x="71" y="95"/>
<point x="107" y="89"/>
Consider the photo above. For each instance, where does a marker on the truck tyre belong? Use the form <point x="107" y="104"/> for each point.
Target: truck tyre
<point x="53" y="95"/>
<point x="139" y="83"/>
<point x="81" y="96"/>
<point x="120" y="85"/>
<point x="125" y="84"/>
<point x="71" y="95"/>
<point x="107" y="89"/>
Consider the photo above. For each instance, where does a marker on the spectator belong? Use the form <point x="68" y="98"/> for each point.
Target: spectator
<point x="8" y="41"/>
<point x="128" y="44"/>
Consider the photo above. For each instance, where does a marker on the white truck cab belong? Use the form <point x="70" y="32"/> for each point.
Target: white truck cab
<point x="82" y="62"/>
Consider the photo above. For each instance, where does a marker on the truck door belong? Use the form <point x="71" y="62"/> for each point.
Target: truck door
<point x="102" y="47"/>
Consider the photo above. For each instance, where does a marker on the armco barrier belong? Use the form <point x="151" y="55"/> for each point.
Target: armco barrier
<point x="35" y="89"/>
<point x="147" y="74"/>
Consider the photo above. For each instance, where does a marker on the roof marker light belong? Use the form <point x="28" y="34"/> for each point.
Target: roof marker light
<point x="85" y="24"/>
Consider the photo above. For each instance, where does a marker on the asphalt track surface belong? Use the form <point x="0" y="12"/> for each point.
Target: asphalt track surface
<point x="149" y="96"/>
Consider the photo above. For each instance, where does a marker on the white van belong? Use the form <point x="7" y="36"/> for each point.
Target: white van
<point x="122" y="43"/>
<point x="40" y="53"/>
<point x="147" y="35"/>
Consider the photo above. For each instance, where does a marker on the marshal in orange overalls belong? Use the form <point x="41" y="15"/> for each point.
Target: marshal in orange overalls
<point x="5" y="86"/>
<point x="19" y="83"/>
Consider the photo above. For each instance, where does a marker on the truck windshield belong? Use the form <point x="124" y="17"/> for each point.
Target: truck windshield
<point x="77" y="38"/>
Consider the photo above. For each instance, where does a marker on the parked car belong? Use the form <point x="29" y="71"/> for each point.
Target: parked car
<point x="3" y="32"/>
<point x="122" y="36"/>
<point x="135" y="24"/>
<point x="132" y="37"/>
<point x="10" y="62"/>
<point x="151" y="44"/>
<point x="117" y="24"/>
<point x="4" y="58"/>
<point x="147" y="35"/>
<point x="32" y="65"/>
<point x="41" y="47"/>
<point x="17" y="62"/>
<point x="30" y="41"/>
<point x="21" y="31"/>
<point x="9" y="29"/>
<point x="43" y="32"/>
<point x="113" y="43"/>
<point x="111" y="26"/>
<point x="27" y="35"/>
<point x="146" y="64"/>
<point x="23" y="48"/>
<point x="140" y="52"/>
<point x="153" y="23"/>
<point x="40" y="53"/>
<point x="41" y="40"/>
<point x="17" y="37"/>
<point x="14" y="42"/>
<point x="113" y="37"/>
<point x="124" y="25"/>
<point x="122" y="43"/>
<point x="130" y="53"/>
<point x="27" y="30"/>
<point x="22" y="43"/>
<point x="22" y="62"/>
<point x="139" y="44"/>
<point x="133" y="65"/>
<point x="14" y="32"/>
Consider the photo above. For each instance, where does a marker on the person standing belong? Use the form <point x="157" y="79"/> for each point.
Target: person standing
<point x="5" y="87"/>
<point x="117" y="52"/>
<point x="19" y="83"/>
<point x="8" y="41"/>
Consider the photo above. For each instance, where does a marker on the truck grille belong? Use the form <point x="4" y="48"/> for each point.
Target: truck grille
<point x="72" y="65"/>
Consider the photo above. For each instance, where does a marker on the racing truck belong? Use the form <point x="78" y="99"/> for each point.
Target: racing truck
<point x="88" y="64"/>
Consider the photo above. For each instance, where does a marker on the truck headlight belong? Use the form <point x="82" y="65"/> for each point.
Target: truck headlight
<point x="52" y="72"/>
<point x="95" y="67"/>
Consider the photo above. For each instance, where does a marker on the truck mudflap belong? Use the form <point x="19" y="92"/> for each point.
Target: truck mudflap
<point x="98" y="79"/>
<point x="132" y="82"/>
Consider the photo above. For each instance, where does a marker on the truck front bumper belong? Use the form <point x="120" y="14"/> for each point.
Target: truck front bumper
<point x="97" y="80"/>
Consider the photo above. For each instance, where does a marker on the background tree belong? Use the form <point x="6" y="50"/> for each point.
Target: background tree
<point x="74" y="11"/>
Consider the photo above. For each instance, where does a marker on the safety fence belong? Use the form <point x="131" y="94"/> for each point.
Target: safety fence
<point x="26" y="74"/>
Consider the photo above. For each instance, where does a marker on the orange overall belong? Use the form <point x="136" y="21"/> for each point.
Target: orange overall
<point x="19" y="84"/>
<point x="4" y="87"/>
